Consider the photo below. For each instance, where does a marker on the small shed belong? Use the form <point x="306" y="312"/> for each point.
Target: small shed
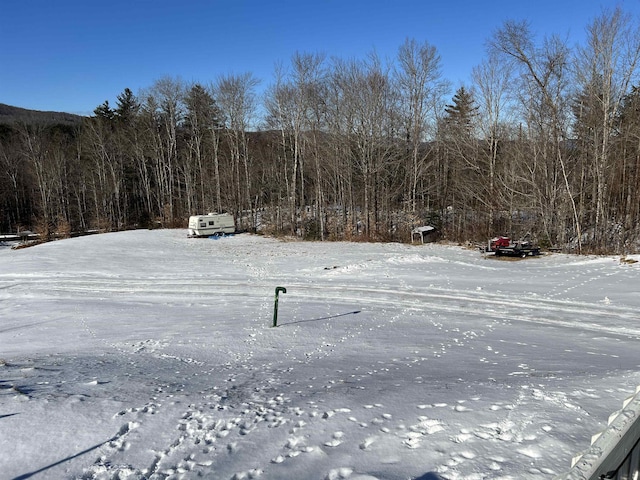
<point x="426" y="233"/>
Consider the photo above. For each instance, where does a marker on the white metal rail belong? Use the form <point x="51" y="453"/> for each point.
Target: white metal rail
<point x="615" y="452"/>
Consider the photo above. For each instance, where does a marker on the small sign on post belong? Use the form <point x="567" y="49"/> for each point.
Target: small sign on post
<point x="275" y="307"/>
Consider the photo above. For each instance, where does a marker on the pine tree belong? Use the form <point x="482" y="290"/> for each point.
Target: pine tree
<point x="104" y="111"/>
<point x="463" y="111"/>
<point x="127" y="106"/>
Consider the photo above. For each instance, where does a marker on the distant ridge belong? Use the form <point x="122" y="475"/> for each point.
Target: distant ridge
<point x="10" y="115"/>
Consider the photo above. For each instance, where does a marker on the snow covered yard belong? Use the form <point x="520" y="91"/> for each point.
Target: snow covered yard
<point x="146" y="354"/>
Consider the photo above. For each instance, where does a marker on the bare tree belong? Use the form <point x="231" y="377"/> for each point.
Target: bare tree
<point x="279" y="108"/>
<point x="202" y="143"/>
<point x="492" y="79"/>
<point x="165" y="104"/>
<point x="309" y="83"/>
<point x="605" y="69"/>
<point x="367" y="118"/>
<point x="99" y="146"/>
<point x="295" y="106"/>
<point x="12" y="181"/>
<point x="627" y="173"/>
<point x="236" y="98"/>
<point x="421" y="86"/>
<point x="542" y="91"/>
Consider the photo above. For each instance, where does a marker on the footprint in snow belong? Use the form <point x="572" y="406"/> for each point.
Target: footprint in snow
<point x="294" y="442"/>
<point x="355" y="420"/>
<point x="367" y="443"/>
<point x="332" y="443"/>
<point x="336" y="440"/>
<point x="462" y="437"/>
<point x="413" y="440"/>
<point x="462" y="408"/>
<point x="127" y="427"/>
<point x="149" y="408"/>
<point x="249" y="474"/>
<point x="339" y="473"/>
<point x="347" y="473"/>
<point x="343" y="473"/>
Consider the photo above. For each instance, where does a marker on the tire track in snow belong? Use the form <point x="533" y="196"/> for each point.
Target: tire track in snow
<point x="505" y="306"/>
<point x="194" y="287"/>
<point x="502" y="307"/>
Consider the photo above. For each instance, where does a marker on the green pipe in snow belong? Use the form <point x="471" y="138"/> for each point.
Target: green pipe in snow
<point x="275" y="307"/>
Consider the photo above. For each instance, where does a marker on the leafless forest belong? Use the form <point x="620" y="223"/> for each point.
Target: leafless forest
<point x="545" y="142"/>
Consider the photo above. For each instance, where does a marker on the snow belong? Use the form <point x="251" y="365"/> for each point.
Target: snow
<point x="147" y="354"/>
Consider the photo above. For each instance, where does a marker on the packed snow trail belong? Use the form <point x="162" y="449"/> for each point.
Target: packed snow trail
<point x="150" y="355"/>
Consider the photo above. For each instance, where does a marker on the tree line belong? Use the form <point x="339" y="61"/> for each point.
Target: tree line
<point x="544" y="142"/>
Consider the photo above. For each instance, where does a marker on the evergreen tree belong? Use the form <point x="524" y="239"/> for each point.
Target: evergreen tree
<point x="127" y="106"/>
<point x="104" y="111"/>
<point x="462" y="113"/>
<point x="202" y="111"/>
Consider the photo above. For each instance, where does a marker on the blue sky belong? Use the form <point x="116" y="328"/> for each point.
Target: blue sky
<point x="72" y="55"/>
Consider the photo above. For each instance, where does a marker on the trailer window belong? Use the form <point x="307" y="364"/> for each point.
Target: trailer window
<point x="203" y="224"/>
<point x="211" y="222"/>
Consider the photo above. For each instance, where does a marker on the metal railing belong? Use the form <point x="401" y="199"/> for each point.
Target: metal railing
<point x="630" y="468"/>
<point x="615" y="452"/>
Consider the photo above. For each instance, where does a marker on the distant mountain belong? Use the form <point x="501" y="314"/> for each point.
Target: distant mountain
<point x="9" y="115"/>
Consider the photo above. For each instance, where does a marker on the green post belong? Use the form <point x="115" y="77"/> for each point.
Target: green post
<point x="275" y="307"/>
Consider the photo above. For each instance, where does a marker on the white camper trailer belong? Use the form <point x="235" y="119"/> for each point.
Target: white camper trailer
<point x="211" y="224"/>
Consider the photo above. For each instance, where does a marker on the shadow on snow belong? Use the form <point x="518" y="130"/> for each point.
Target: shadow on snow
<point x="319" y="319"/>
